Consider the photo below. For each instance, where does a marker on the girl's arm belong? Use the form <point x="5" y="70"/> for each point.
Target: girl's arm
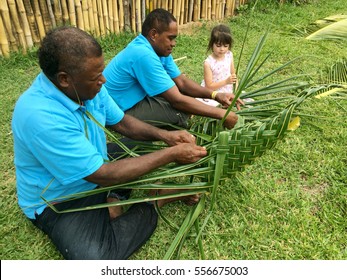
<point x="208" y="78"/>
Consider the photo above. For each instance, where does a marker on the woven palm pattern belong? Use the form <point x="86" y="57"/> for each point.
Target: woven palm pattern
<point x="251" y="140"/>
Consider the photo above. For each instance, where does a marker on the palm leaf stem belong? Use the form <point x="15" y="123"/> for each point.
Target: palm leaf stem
<point x="242" y="48"/>
<point x="265" y="91"/>
<point x="276" y="70"/>
<point x="126" y="202"/>
<point x="111" y="135"/>
<point x="199" y="241"/>
<point x="185" y="227"/>
<point x="245" y="77"/>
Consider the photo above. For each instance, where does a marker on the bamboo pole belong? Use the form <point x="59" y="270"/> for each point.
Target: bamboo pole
<point x="185" y="11"/>
<point x="165" y="5"/>
<point x="65" y="12"/>
<point x="57" y="13"/>
<point x="4" y="45"/>
<point x="115" y="17"/>
<point x="100" y="17"/>
<point x="132" y="15"/>
<point x="24" y="20"/>
<point x="138" y="16"/>
<point x="170" y="6"/>
<point x="121" y="15"/>
<point x="110" y="15"/>
<point x="50" y="13"/>
<point x="203" y="9"/>
<point x="45" y="15"/>
<point x="91" y="16"/>
<point x="223" y="8"/>
<point x="96" y="18"/>
<point x="38" y="18"/>
<point x="199" y="9"/>
<point x="105" y="17"/>
<point x="196" y="12"/>
<point x="7" y="23"/>
<point x="209" y="9"/>
<point x="174" y="8"/>
<point x="126" y="10"/>
<point x="232" y="7"/>
<point x="150" y="5"/>
<point x="213" y="10"/>
<point x="178" y="11"/>
<point x="18" y="29"/>
<point x="190" y="10"/>
<point x="79" y="15"/>
<point x="72" y="14"/>
<point x="143" y="11"/>
<point x="32" y="22"/>
<point x="227" y="8"/>
<point x="85" y="14"/>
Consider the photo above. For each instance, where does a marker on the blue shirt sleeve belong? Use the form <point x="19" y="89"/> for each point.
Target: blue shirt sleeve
<point x="170" y="66"/>
<point x="152" y="75"/>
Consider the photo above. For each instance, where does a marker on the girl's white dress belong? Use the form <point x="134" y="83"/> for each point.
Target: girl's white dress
<point x="220" y="71"/>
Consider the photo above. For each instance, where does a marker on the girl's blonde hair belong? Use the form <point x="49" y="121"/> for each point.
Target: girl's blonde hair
<point x="220" y="34"/>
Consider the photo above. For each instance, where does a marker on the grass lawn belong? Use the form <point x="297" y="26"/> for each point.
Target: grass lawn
<point x="290" y="204"/>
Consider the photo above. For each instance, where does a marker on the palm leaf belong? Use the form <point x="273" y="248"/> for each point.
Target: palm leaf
<point x="329" y="28"/>
<point x="336" y="79"/>
<point x="334" y="31"/>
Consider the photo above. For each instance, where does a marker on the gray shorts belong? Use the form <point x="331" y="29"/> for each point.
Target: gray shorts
<point x="158" y="112"/>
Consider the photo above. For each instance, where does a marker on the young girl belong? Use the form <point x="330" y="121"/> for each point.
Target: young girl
<point x="219" y="70"/>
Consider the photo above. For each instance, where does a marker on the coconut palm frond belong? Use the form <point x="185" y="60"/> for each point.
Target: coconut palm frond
<point x="329" y="28"/>
<point x="338" y="72"/>
<point x="335" y="77"/>
<point x="334" y="31"/>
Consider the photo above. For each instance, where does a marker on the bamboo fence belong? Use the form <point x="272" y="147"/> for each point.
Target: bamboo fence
<point x="23" y="23"/>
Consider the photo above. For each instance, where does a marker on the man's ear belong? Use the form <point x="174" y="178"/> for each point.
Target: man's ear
<point x="63" y="79"/>
<point x="152" y="34"/>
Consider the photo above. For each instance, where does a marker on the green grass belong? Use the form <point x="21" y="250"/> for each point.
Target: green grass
<point x="290" y="204"/>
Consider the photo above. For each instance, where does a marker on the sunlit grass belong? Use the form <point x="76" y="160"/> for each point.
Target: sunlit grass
<point x="290" y="204"/>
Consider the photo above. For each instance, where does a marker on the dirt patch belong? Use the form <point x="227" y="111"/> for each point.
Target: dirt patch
<point x="316" y="190"/>
<point x="189" y="28"/>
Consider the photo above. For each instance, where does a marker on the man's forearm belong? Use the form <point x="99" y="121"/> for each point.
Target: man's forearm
<point x="139" y="130"/>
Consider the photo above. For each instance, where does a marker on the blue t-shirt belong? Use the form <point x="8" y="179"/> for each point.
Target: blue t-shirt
<point x="51" y="145"/>
<point x="138" y="71"/>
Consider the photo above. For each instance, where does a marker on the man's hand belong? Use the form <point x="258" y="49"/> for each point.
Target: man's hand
<point x="177" y="137"/>
<point x="225" y="99"/>
<point x="230" y="120"/>
<point x="189" y="153"/>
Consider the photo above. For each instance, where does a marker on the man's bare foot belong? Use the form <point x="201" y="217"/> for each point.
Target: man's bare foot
<point x="188" y="200"/>
<point x="114" y="211"/>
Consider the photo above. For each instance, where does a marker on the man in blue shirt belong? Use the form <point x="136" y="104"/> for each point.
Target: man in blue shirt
<point x="146" y="83"/>
<point x="60" y="150"/>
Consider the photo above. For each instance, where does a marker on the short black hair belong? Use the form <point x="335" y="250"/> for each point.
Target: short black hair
<point x="65" y="49"/>
<point x="159" y="19"/>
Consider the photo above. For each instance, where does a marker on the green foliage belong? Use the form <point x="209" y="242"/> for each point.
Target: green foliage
<point x="290" y="204"/>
